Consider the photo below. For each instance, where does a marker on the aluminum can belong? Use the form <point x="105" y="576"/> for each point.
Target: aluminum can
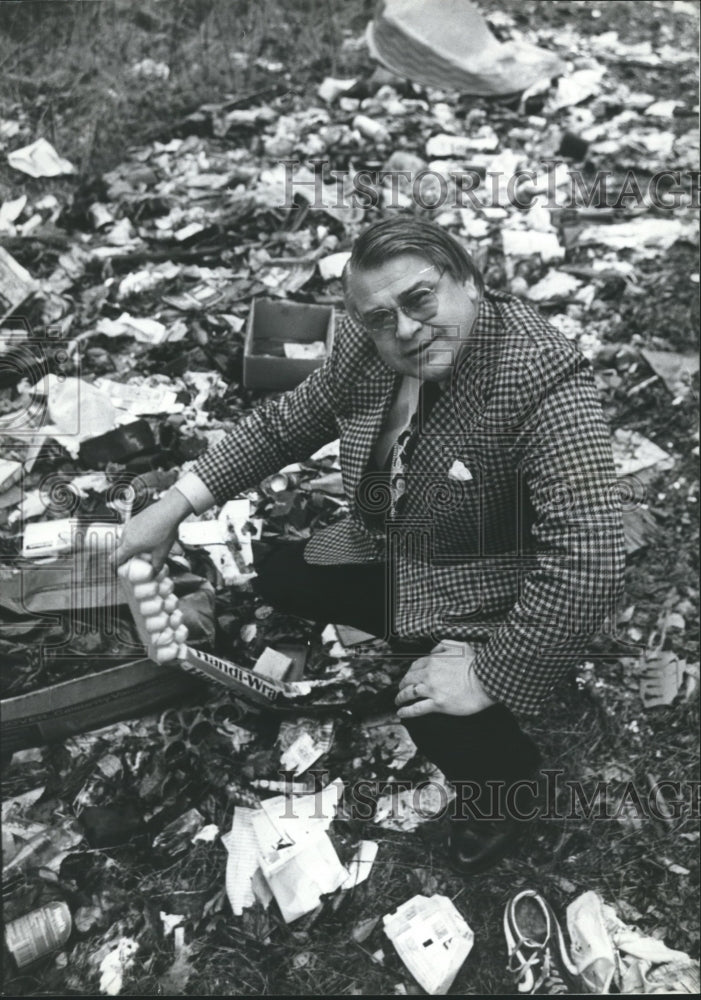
<point x="38" y="933"/>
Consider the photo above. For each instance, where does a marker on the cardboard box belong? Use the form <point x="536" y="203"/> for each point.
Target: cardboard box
<point x="273" y="323"/>
<point x="127" y="691"/>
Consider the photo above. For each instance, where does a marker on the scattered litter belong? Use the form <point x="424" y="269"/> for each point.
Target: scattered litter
<point x="531" y="243"/>
<point x="370" y="129"/>
<point x="37" y="934"/>
<point x="142" y="329"/>
<point x="288" y="787"/>
<point x="632" y="452"/>
<point x="331" y="88"/>
<point x="299" y="874"/>
<point x="10" y="212"/>
<point x="663" y="676"/>
<point x="676" y="370"/>
<point x="332" y="266"/>
<point x="361" y="863"/>
<point x="46" y="849"/>
<point x="663" y="109"/>
<point x="140" y="400"/>
<point x="176" y="837"/>
<point x="16" y="284"/>
<point x="47" y="539"/>
<point x="115" y="965"/>
<point x="573" y="88"/>
<point x="659" y="234"/>
<point x="202" y="532"/>
<point x="331" y="484"/>
<point x="640" y="528"/>
<point x="272" y="664"/>
<point x="432" y="939"/>
<point x="39" y="159"/>
<point x="364" y="928"/>
<point x="303" y="742"/>
<point x="10" y="472"/>
<point x="406" y="809"/>
<point x="336" y="650"/>
<point x="609" y="952"/>
<point x="242" y="862"/>
<point x="592" y="949"/>
<point x="674" y="868"/>
<point x="207" y="835"/>
<point x="170" y="921"/>
<point x="389" y="739"/>
<point x="315" y="349"/>
<point x="235" y="515"/>
<point x="173" y="981"/>
<point x="350" y="636"/>
<point x="300" y="756"/>
<point x="442" y="146"/>
<point x="556" y="286"/>
<point x="458" y="53"/>
<point x="297" y="859"/>
<point x="149" y="69"/>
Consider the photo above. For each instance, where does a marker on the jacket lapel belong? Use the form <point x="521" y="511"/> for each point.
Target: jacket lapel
<point x="363" y="428"/>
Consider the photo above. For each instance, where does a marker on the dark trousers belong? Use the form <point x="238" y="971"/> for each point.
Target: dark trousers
<point x="485" y="746"/>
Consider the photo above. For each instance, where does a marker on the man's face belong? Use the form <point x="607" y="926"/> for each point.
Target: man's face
<point x="425" y="346"/>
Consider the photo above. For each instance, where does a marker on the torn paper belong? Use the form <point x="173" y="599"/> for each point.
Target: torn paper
<point x="39" y="159"/>
<point x="242" y="847"/>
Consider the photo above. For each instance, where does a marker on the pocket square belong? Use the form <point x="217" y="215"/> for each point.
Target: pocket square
<point x="459" y="472"/>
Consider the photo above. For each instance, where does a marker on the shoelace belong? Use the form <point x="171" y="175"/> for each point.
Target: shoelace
<point x="553" y="983"/>
<point x="518" y="968"/>
<point x="550" y="977"/>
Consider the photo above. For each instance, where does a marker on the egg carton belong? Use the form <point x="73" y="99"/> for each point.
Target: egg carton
<point x="159" y="624"/>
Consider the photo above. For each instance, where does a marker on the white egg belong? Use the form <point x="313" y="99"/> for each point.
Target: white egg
<point x="156" y="623"/>
<point x="175" y="618"/>
<point x="181" y="634"/>
<point x="165" y="653"/>
<point x="143" y="590"/>
<point x="163" y="638"/>
<point x="151" y="606"/>
<point x="139" y="571"/>
<point x="165" y="587"/>
<point x="170" y="603"/>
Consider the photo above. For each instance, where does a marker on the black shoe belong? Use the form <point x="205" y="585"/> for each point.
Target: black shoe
<point x="477" y="844"/>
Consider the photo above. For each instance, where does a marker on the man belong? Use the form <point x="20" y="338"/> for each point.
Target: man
<point x="483" y="539"/>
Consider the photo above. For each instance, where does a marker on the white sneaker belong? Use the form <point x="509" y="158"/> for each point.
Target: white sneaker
<point x="538" y="955"/>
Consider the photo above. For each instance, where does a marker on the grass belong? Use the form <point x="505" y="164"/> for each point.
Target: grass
<point x="68" y="65"/>
<point x="66" y="70"/>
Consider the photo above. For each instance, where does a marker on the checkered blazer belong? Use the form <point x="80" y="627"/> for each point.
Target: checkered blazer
<point x="519" y="546"/>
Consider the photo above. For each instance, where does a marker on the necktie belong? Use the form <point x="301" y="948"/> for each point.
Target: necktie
<point x="405" y="445"/>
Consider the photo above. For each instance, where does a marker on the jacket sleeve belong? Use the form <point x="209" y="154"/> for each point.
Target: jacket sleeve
<point x="282" y="430"/>
<point x="562" y="451"/>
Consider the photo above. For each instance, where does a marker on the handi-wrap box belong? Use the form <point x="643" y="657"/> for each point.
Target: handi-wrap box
<point x="272" y="324"/>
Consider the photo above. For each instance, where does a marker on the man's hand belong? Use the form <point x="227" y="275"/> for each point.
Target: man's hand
<point x="444" y="682"/>
<point x="153" y="530"/>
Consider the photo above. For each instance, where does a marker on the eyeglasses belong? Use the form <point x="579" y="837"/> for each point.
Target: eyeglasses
<point x="419" y="304"/>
